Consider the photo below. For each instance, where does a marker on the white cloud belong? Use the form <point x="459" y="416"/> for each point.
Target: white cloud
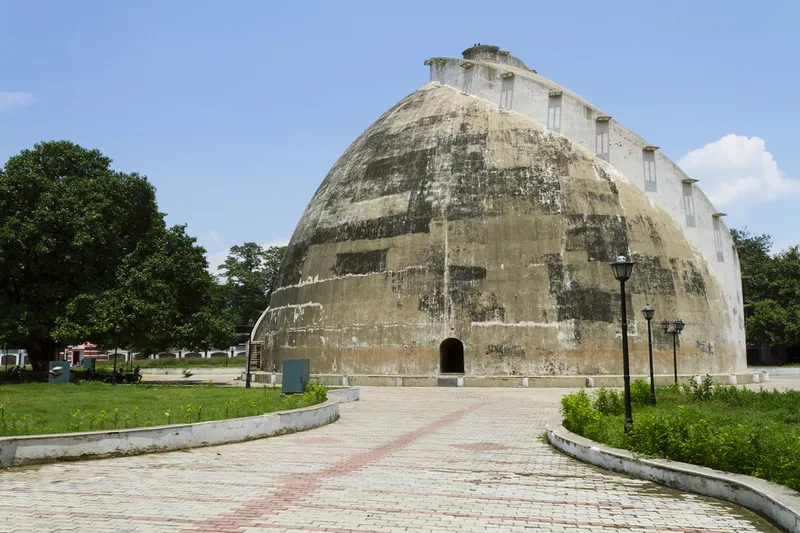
<point x="12" y="100"/>
<point x="213" y="236"/>
<point x="215" y="259"/>
<point x="738" y="171"/>
<point x="783" y="242"/>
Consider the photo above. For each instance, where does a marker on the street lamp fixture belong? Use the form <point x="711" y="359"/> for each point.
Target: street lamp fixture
<point x="250" y="325"/>
<point x="622" y="269"/>
<point x="648" y="313"/>
<point x="677" y="327"/>
<point x="117" y="329"/>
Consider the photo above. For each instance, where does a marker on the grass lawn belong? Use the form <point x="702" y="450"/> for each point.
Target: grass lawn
<point x="725" y="428"/>
<point x="186" y="362"/>
<point x="35" y="408"/>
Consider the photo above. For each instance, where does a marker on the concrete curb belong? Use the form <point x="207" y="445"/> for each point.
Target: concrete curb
<point x="32" y="449"/>
<point x="775" y="502"/>
<point x="345" y="395"/>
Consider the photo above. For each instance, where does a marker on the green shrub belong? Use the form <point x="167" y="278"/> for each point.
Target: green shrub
<point x="578" y="412"/>
<point x="640" y="392"/>
<point x="609" y="401"/>
<point x="315" y="393"/>
<point x="702" y="391"/>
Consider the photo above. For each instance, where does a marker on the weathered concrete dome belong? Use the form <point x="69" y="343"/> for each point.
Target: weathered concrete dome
<point x="451" y="224"/>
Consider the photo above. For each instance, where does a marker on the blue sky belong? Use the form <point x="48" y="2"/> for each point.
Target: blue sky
<point x="237" y="110"/>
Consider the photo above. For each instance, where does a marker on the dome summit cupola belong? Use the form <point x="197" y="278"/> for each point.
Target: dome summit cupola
<point x="488" y="52"/>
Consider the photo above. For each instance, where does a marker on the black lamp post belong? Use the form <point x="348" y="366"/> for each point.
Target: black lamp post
<point x="117" y="329"/>
<point x="677" y="327"/>
<point x="648" y="313"/>
<point x="250" y="325"/>
<point x="622" y="269"/>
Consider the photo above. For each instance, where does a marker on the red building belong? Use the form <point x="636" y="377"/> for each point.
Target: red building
<point x="75" y="354"/>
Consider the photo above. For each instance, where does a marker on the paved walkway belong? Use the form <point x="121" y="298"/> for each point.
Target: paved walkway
<point x="428" y="459"/>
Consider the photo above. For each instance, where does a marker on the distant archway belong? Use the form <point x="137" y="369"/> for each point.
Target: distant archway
<point x="451" y="357"/>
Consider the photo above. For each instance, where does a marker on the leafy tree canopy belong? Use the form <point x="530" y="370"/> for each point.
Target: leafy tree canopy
<point x="771" y="290"/>
<point x="84" y="248"/>
<point x="249" y="274"/>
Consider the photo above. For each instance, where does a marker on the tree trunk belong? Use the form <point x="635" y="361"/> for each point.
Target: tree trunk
<point x="40" y="352"/>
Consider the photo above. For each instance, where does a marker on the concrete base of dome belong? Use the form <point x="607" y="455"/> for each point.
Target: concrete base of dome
<point x="450" y="380"/>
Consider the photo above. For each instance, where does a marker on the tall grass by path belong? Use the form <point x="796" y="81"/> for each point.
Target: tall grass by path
<point x="725" y="428"/>
<point x="35" y="408"/>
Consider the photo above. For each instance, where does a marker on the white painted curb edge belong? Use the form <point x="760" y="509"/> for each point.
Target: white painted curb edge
<point x="779" y="504"/>
<point x="32" y="449"/>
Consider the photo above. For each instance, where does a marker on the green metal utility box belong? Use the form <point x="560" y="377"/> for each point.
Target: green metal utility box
<point x="89" y="363"/>
<point x="296" y="373"/>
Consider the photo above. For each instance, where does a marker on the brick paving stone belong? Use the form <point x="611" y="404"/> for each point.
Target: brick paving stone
<point x="399" y="460"/>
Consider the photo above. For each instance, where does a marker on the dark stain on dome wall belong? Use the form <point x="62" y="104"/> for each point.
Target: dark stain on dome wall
<point x="360" y="262"/>
<point x="693" y="281"/>
<point x="603" y="237"/>
<point x="467" y="273"/>
<point x="651" y="276"/>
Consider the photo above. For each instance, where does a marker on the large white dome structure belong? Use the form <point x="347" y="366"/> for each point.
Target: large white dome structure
<point x="470" y="229"/>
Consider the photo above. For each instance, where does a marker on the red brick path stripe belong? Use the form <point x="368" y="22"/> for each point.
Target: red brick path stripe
<point x="249" y="513"/>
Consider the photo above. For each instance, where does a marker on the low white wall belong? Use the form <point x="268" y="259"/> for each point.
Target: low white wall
<point x="779" y="504"/>
<point x="18" y="451"/>
<point x="560" y="381"/>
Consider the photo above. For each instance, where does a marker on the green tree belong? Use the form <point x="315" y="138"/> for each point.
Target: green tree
<point x="771" y="290"/>
<point x="161" y="298"/>
<point x="83" y="248"/>
<point x="213" y="327"/>
<point x="249" y="274"/>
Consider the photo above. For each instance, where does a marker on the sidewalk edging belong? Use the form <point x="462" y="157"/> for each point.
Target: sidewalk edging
<point x="33" y="449"/>
<point x="775" y="502"/>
